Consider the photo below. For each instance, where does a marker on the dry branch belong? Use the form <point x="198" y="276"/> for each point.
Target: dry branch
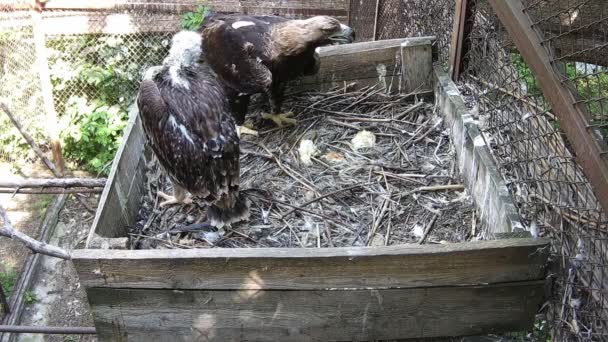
<point x="29" y="140"/>
<point x="54" y="183"/>
<point x="51" y="191"/>
<point x="36" y="246"/>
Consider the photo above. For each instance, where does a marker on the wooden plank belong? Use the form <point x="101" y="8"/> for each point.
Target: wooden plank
<point x="562" y="100"/>
<point x="359" y="315"/>
<point x="118" y="203"/>
<point x="299" y="268"/>
<point x="460" y="45"/>
<point x="417" y="66"/>
<point x="367" y="64"/>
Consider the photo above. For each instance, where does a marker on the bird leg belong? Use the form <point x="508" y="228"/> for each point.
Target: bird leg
<point x="179" y="196"/>
<point x="246" y="128"/>
<point x="282" y="119"/>
<point x="276" y="101"/>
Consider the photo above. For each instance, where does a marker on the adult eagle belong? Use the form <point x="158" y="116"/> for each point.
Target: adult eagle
<point x="190" y="128"/>
<point x="259" y="54"/>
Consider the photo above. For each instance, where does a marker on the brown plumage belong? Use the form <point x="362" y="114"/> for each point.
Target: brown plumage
<point x="259" y="54"/>
<point x="190" y="128"/>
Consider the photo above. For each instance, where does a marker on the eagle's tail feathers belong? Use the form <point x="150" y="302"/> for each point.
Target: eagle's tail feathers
<point x="228" y="211"/>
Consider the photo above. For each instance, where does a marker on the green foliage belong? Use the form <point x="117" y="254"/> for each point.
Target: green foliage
<point x="30" y="297"/>
<point x="525" y="74"/>
<point x="95" y="81"/>
<point x="193" y="20"/>
<point x="8" y="279"/>
<point x="42" y="203"/>
<point x="93" y="131"/>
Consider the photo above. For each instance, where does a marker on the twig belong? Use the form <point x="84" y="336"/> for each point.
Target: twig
<point x="53" y="183"/>
<point x="287" y="171"/>
<point x="324" y="196"/>
<point x="437" y="188"/>
<point x="426" y="134"/>
<point x="36" y="246"/>
<point x="376" y="223"/>
<point x="428" y="229"/>
<point x="52" y="191"/>
<point x="30" y="141"/>
<point x="303" y="210"/>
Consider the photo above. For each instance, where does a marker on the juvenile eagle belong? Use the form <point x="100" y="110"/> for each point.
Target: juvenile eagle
<point x="190" y="128"/>
<point x="259" y="54"/>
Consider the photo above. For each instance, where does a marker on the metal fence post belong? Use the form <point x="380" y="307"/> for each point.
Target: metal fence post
<point x="377" y="14"/>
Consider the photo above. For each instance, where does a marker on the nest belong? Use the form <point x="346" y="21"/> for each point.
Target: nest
<point x="360" y="168"/>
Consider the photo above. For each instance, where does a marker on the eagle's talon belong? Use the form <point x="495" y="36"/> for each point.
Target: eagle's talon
<point x="173" y="199"/>
<point x="281" y="120"/>
<point x="245" y="130"/>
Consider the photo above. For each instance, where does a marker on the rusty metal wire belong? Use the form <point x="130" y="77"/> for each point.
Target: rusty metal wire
<point x="534" y="157"/>
<point x="387" y="19"/>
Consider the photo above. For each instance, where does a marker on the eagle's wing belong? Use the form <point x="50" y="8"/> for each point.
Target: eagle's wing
<point x="194" y="137"/>
<point x="238" y="49"/>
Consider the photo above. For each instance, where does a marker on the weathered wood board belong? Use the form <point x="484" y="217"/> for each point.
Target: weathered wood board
<point x="301" y="269"/>
<point x="121" y="196"/>
<point x="351" y="315"/>
<point x="417" y="65"/>
<point x="366" y="64"/>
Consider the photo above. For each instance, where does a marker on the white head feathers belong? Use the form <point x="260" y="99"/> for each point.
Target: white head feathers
<point x="185" y="49"/>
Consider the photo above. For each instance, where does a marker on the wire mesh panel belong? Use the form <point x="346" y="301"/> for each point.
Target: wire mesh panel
<point x="553" y="195"/>
<point x="387" y="19"/>
<point x="577" y="32"/>
<point x="20" y="83"/>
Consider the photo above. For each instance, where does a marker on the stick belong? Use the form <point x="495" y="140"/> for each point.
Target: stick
<point x="437" y="188"/>
<point x="428" y="229"/>
<point x="29" y="140"/>
<point x="54" y="183"/>
<point x="36" y="246"/>
<point x="324" y="196"/>
<point x="51" y="191"/>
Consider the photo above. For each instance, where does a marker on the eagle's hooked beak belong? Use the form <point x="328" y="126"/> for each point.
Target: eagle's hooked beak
<point x="345" y="35"/>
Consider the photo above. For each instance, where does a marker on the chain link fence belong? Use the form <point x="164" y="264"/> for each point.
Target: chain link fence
<point x="535" y="158"/>
<point x="388" y="19"/>
<point x="96" y="56"/>
<point x="20" y="83"/>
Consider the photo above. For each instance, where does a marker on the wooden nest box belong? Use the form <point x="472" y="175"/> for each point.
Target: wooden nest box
<point x="329" y="294"/>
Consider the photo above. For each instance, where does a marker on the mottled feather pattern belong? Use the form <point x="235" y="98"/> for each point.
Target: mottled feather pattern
<point x="244" y="64"/>
<point x="259" y="54"/>
<point x="192" y="132"/>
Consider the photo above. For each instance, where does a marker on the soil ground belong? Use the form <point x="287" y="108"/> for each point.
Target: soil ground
<point x="57" y="298"/>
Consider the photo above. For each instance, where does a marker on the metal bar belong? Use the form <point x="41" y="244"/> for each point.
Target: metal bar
<point x="376" y="20"/>
<point x="562" y="100"/>
<point x="463" y="25"/>
<point x="23" y="329"/>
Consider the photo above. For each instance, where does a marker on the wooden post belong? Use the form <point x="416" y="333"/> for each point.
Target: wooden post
<point x="562" y="100"/>
<point x="417" y="65"/>
<point x="377" y="13"/>
<point x="463" y="25"/>
<point x="47" y="90"/>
